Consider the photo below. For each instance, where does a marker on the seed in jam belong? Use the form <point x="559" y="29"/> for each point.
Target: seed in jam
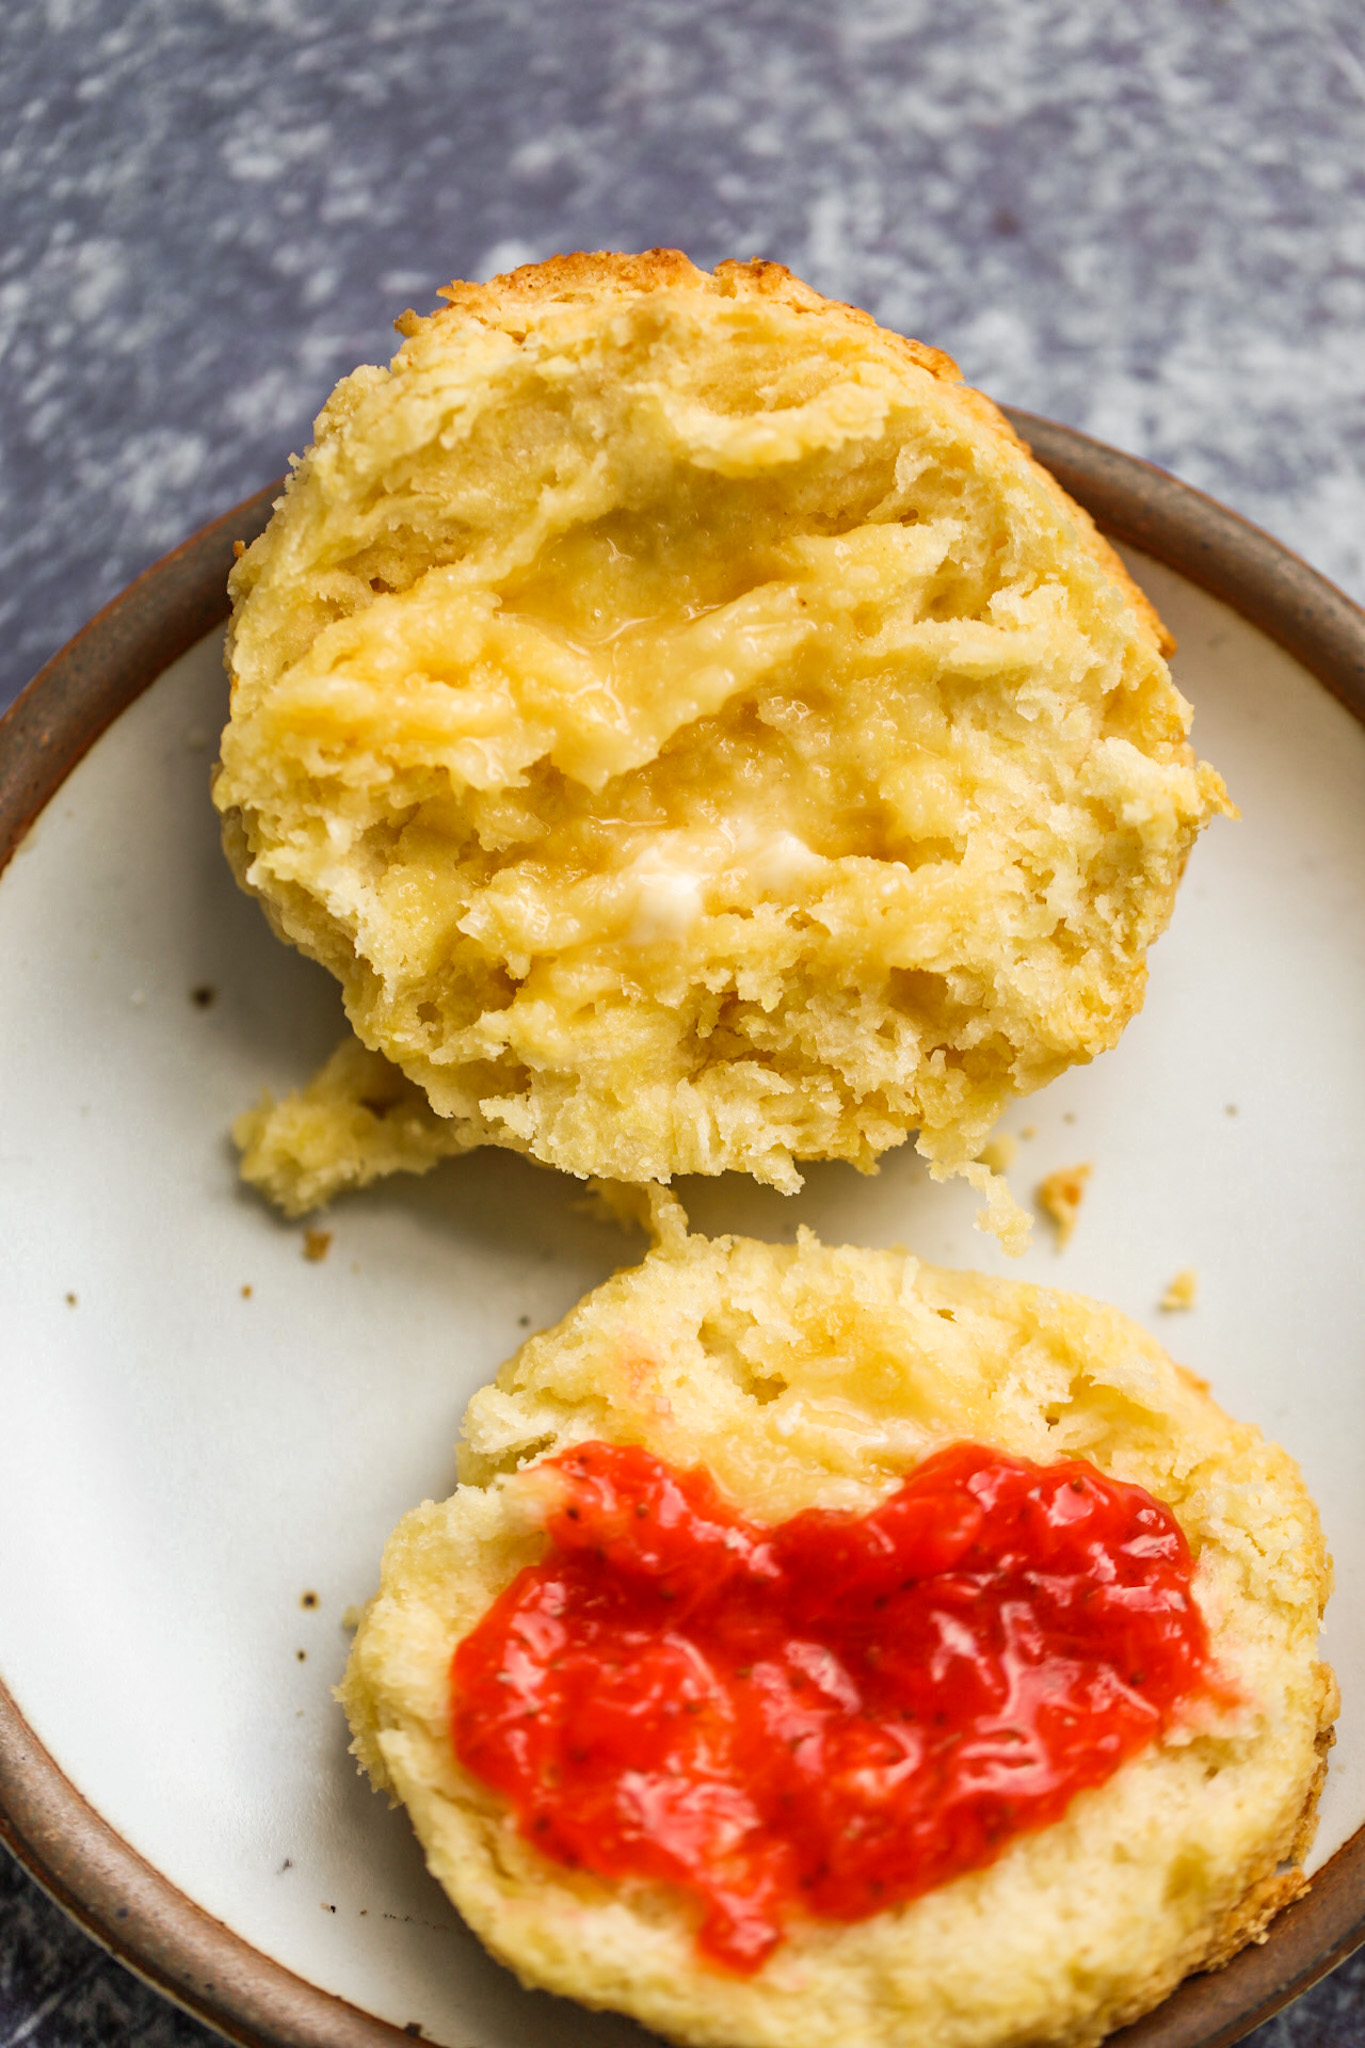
<point x="834" y="1714"/>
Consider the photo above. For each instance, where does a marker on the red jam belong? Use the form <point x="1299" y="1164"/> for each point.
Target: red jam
<point x="835" y="1714"/>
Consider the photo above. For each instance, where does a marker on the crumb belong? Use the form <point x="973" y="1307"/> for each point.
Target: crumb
<point x="1182" y="1291"/>
<point x="414" y="2027"/>
<point x="1231" y="1109"/>
<point x="202" y="996"/>
<point x="325" y="1907"/>
<point x="316" y="1244"/>
<point x="71" y="1301"/>
<point x="288" y="1864"/>
<point x="1029" y="1131"/>
<point x="1061" y="1195"/>
<point x="302" y="1656"/>
<point x="352" y="1618"/>
<point x="998" y="1155"/>
<point x="523" y="1322"/>
<point x="1068" y="1116"/>
<point x="308" y="1600"/>
<point x="238" y="550"/>
<point x="246" y="1291"/>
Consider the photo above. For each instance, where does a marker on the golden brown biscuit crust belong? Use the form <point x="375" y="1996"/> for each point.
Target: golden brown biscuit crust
<point x="584" y="274"/>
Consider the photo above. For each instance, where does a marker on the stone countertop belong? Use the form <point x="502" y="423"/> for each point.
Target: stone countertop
<point x="1146" y="221"/>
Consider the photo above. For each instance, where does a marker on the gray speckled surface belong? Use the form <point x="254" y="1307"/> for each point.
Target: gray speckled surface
<point x="1146" y="220"/>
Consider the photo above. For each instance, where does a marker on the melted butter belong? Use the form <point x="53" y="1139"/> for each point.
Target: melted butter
<point x="781" y="862"/>
<point x="665" y="893"/>
<point x="667" y="881"/>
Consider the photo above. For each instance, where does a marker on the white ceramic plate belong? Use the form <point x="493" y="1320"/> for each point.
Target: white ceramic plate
<point x="181" y="1461"/>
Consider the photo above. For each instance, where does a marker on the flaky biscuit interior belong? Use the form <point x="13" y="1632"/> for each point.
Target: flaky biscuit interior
<point x="696" y="735"/>
<point x="807" y="1375"/>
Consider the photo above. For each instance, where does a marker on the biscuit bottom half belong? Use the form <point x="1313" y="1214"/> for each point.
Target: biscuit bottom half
<point x="812" y="1376"/>
<point x="697" y="736"/>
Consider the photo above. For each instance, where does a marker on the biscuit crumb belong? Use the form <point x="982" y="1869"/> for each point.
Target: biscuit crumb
<point x="246" y="1291"/>
<point x="202" y="996"/>
<point x="1231" y="1109"/>
<point x="309" y="1599"/>
<point x="1182" y="1291"/>
<point x="1060" y="1195"/>
<point x="1029" y="1131"/>
<point x="71" y="1301"/>
<point x="316" y="1245"/>
<point x="238" y="550"/>
<point x="302" y="1656"/>
<point x="998" y="1155"/>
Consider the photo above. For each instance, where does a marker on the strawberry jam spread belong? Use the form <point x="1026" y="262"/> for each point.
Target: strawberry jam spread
<point x="835" y="1714"/>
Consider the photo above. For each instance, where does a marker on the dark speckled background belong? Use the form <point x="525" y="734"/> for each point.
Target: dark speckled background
<point x="1147" y="220"/>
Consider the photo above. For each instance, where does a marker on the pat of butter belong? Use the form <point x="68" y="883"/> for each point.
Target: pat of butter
<point x="668" y="878"/>
<point x="666" y="898"/>
<point x="781" y="860"/>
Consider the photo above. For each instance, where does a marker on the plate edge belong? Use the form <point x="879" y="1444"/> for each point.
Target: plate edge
<point x="148" y="1924"/>
<point x="56" y="719"/>
<point x="1264" y="581"/>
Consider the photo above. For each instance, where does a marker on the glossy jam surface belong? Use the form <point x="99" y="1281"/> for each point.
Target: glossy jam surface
<point x="834" y="1714"/>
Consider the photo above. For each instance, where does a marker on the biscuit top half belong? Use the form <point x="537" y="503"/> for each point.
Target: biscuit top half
<point x="696" y="733"/>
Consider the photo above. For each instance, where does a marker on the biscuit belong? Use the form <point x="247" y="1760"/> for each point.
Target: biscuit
<point x="697" y="736"/>
<point x="812" y="1376"/>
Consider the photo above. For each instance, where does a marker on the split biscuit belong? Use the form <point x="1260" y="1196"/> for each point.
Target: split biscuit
<point x="816" y="1376"/>
<point x="697" y="736"/>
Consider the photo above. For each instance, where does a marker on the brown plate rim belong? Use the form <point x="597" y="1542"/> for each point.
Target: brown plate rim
<point x="97" y="1877"/>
